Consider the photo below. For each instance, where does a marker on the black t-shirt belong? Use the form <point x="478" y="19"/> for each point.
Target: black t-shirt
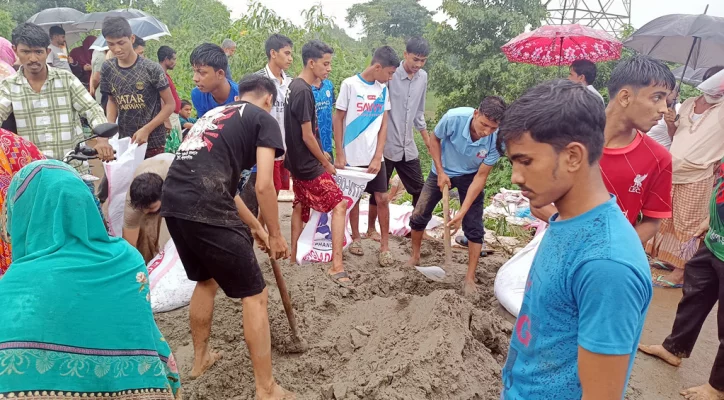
<point x="298" y="109"/>
<point x="203" y="179"/>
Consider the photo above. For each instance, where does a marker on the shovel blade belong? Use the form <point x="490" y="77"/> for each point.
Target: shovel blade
<point x="436" y="274"/>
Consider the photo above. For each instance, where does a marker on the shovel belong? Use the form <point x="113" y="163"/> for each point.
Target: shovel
<point x="299" y="345"/>
<point x="436" y="273"/>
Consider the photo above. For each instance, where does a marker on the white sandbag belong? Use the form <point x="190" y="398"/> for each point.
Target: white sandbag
<point x="170" y="287"/>
<point x="315" y="243"/>
<point x="119" y="174"/>
<point x="400" y="215"/>
<point x="512" y="277"/>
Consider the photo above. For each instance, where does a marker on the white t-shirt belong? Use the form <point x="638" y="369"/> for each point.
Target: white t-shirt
<point x="365" y="104"/>
<point x="58" y="58"/>
<point x="594" y="91"/>
<point x="660" y="132"/>
<point x="277" y="110"/>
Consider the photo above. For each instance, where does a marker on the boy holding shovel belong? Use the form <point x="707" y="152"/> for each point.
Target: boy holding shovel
<point x="463" y="152"/>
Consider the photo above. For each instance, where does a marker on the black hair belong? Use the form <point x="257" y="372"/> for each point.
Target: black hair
<point x="165" y="53"/>
<point x="712" y="71"/>
<point x="386" y="57"/>
<point x="145" y="190"/>
<point x="314" y="50"/>
<point x="116" y="27"/>
<point x="557" y="112"/>
<point x="638" y="72"/>
<point x="260" y="85"/>
<point x="493" y="107"/>
<point x="139" y="42"/>
<point x="30" y="35"/>
<point x="276" y="42"/>
<point x="417" y="45"/>
<point x="56" y="30"/>
<point x="185" y="103"/>
<point x="211" y="55"/>
<point x="585" y="68"/>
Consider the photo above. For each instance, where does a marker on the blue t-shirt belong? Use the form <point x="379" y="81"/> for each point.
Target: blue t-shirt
<point x="460" y="155"/>
<point x="324" y="104"/>
<point x="203" y="102"/>
<point x="589" y="286"/>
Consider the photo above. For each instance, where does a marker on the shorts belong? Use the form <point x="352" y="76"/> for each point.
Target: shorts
<point x="222" y="253"/>
<point x="281" y="176"/>
<point x="379" y="183"/>
<point x="320" y="194"/>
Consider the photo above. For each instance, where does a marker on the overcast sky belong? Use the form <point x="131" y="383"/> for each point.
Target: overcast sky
<point x="642" y="11"/>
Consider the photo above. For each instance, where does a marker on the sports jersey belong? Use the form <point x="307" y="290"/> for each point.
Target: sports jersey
<point x="365" y="103"/>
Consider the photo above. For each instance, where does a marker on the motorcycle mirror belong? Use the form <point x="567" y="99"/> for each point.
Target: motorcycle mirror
<point x="106" y="130"/>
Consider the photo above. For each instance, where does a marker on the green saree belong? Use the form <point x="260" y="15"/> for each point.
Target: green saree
<point x="76" y="318"/>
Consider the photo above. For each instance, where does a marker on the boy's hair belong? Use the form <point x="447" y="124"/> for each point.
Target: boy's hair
<point x="139" y="42"/>
<point x="386" y="57"/>
<point x="211" y="55"/>
<point x="145" y="190"/>
<point x="639" y="72"/>
<point x="165" y="53"/>
<point x="185" y="103"/>
<point x="228" y="44"/>
<point x="557" y="112"/>
<point x="417" y="45"/>
<point x="30" y="35"/>
<point x="258" y="84"/>
<point x="493" y="107"/>
<point x="116" y="27"/>
<point x="585" y="68"/>
<point x="276" y="42"/>
<point x="56" y="30"/>
<point x="314" y="50"/>
<point x="712" y="71"/>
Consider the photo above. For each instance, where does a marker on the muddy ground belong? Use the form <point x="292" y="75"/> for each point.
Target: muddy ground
<point x="397" y="335"/>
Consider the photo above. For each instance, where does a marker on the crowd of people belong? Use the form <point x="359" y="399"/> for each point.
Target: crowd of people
<point x="638" y="174"/>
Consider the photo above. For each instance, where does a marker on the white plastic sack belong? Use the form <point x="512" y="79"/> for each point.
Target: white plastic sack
<point x="170" y="287"/>
<point x="119" y="174"/>
<point x="400" y="215"/>
<point x="513" y="275"/>
<point x="315" y="243"/>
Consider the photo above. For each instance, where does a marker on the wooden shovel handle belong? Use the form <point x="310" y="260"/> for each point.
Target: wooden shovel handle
<point x="446" y="230"/>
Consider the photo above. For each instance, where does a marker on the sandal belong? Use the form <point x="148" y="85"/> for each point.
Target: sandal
<point x="663" y="283"/>
<point x="386" y="260"/>
<point x="340" y="275"/>
<point x="356" y="248"/>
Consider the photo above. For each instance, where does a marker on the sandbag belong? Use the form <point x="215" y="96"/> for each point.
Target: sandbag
<point x="119" y="174"/>
<point x="400" y="215"/>
<point x="315" y="243"/>
<point x="170" y="287"/>
<point x="512" y="277"/>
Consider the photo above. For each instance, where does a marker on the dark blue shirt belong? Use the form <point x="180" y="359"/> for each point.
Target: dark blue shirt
<point x="203" y="102"/>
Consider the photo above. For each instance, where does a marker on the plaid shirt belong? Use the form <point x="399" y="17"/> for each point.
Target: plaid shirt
<point x="49" y="119"/>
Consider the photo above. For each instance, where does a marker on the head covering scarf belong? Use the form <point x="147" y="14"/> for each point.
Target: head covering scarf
<point x="76" y="317"/>
<point x="82" y="56"/>
<point x="7" y="59"/>
<point x="713" y="86"/>
<point x="15" y="153"/>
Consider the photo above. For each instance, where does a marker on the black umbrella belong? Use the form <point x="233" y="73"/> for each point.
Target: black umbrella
<point x="693" y="77"/>
<point x="697" y="41"/>
<point x="60" y="16"/>
<point x="94" y="20"/>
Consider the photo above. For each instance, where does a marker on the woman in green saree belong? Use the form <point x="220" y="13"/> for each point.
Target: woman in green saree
<point x="75" y="318"/>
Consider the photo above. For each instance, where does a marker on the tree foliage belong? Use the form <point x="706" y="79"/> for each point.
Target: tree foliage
<point x="384" y="19"/>
<point x="6" y="24"/>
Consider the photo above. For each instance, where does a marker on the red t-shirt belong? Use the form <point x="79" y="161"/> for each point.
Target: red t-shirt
<point x="639" y="175"/>
<point x="175" y="94"/>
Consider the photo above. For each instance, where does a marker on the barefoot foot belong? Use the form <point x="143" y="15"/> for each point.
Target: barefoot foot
<point x="660" y="352"/>
<point x="275" y="393"/>
<point x="413" y="262"/>
<point x="703" y="392"/>
<point x="203" y="365"/>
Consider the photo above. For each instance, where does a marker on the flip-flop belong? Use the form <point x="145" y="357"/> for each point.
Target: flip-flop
<point x="661" y="265"/>
<point x="386" y="260"/>
<point x="663" y="283"/>
<point x="336" y="279"/>
<point x="356" y="248"/>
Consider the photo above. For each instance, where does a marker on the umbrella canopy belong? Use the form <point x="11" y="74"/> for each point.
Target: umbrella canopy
<point x="60" y="16"/>
<point x="94" y="21"/>
<point x="693" y="77"/>
<point x="671" y="37"/>
<point x="147" y="28"/>
<point x="553" y="45"/>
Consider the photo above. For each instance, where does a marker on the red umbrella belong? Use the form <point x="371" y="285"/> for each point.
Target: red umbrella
<point x="553" y="45"/>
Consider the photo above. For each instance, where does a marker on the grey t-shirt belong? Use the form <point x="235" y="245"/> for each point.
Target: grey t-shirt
<point x="58" y="58"/>
<point x="97" y="63"/>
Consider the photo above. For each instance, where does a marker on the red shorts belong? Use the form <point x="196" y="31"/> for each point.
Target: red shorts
<point x="320" y="194"/>
<point x="281" y="176"/>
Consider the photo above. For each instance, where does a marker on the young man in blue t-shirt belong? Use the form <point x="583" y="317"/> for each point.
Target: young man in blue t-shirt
<point x="213" y="88"/>
<point x="463" y="153"/>
<point x="589" y="287"/>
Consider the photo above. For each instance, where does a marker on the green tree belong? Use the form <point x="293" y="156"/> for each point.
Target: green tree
<point x="6" y="24"/>
<point x="383" y="19"/>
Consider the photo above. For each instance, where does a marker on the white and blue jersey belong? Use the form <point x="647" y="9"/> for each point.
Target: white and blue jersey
<point x="324" y="105"/>
<point x="365" y="103"/>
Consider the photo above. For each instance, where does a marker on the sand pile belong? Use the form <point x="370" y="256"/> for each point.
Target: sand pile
<point x="395" y="336"/>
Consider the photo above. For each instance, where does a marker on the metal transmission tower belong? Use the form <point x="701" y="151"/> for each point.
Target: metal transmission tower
<point x="611" y="16"/>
